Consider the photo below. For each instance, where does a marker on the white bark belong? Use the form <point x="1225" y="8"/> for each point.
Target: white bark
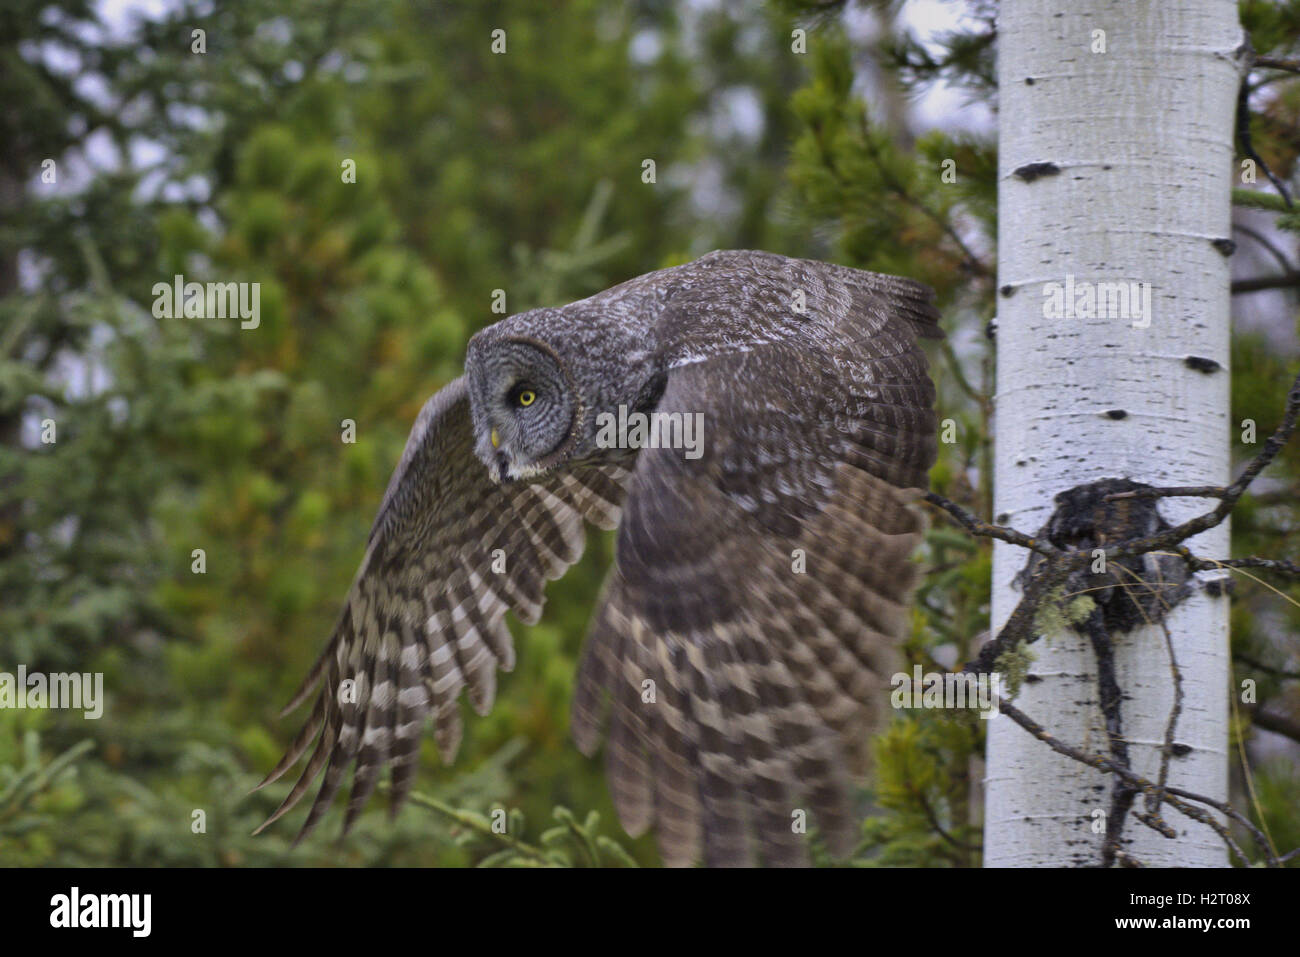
<point x="1142" y="136"/>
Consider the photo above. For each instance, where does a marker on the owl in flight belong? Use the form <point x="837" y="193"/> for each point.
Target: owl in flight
<point x="741" y="649"/>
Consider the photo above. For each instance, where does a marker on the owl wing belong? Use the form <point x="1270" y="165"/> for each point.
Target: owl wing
<point x="742" y="650"/>
<point x="449" y="553"/>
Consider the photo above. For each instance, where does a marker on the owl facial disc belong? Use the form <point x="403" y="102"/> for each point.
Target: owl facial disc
<point x="522" y="405"/>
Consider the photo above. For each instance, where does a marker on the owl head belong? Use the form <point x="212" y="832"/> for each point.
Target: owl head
<point x="527" y="413"/>
<point x="539" y="380"/>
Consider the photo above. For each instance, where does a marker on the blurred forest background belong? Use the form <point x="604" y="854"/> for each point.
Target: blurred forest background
<point x="787" y="126"/>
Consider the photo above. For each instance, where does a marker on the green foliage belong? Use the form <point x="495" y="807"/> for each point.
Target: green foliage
<point x="1276" y="782"/>
<point x="887" y="205"/>
<point x="922" y="786"/>
<point x="34" y="790"/>
<point x="1273" y="25"/>
<point x="494" y="838"/>
<point x="474" y="172"/>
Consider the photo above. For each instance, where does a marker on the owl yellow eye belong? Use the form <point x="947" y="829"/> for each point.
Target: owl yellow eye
<point x="527" y="397"/>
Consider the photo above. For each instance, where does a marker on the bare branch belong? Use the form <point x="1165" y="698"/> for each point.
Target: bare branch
<point x="976" y="526"/>
<point x="1019" y="627"/>
<point x="1110" y="698"/>
<point x="1268" y="244"/>
<point x="1267" y="669"/>
<point x="1179" y="491"/>
<point x="1277" y="63"/>
<point x="1277" y="723"/>
<point x="1243" y="136"/>
<point x="1230" y="495"/>
<point x="1172" y="795"/>
<point x="1167" y="750"/>
<point x="1056" y="568"/>
<point x="1286" y="280"/>
<point x="1279" y="565"/>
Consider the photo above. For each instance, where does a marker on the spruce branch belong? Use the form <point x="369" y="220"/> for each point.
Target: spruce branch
<point x="571" y="843"/>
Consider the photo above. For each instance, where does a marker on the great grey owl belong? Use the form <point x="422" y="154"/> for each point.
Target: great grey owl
<point x="744" y="639"/>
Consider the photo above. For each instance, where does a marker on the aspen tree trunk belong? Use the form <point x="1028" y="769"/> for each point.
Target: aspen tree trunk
<point x="1116" y="151"/>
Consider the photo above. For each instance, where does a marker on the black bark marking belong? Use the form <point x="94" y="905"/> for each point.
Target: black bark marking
<point x="1032" y="171"/>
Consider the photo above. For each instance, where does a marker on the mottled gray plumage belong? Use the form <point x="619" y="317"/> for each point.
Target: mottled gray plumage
<point x="766" y="680"/>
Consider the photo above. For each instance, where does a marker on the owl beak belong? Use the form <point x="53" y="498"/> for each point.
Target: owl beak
<point x="496" y="439"/>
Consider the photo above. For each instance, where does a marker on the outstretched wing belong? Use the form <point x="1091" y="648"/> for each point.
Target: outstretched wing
<point x="449" y="553"/>
<point x="742" y="650"/>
